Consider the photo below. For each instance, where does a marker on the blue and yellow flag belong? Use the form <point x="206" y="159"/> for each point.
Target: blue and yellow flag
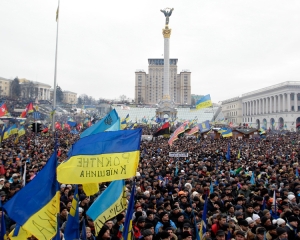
<point x="21" y="131"/>
<point x="124" y="122"/>
<point x="102" y="157"/>
<point x="203" y="228"/>
<point x="72" y="227"/>
<point x="115" y="127"/>
<point x="204" y="102"/>
<point x="204" y="127"/>
<point x="127" y="232"/>
<point x="104" y="124"/>
<point x="35" y="207"/>
<point x="109" y="204"/>
<point x="13" y="129"/>
<point x="227" y="133"/>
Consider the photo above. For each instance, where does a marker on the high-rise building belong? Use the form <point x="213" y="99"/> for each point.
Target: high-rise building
<point x="149" y="87"/>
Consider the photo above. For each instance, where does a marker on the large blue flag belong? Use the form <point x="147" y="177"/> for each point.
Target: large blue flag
<point x="72" y="227"/>
<point x="109" y="204"/>
<point x="104" y="124"/>
<point x="203" y="229"/>
<point x="127" y="232"/>
<point x="35" y="207"/>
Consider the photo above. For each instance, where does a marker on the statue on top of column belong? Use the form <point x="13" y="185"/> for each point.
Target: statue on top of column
<point x="168" y="13"/>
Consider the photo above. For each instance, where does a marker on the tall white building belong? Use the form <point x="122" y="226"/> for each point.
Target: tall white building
<point x="149" y="87"/>
<point x="274" y="107"/>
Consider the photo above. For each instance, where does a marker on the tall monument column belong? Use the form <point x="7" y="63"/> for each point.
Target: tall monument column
<point x="166" y="106"/>
<point x="166" y="89"/>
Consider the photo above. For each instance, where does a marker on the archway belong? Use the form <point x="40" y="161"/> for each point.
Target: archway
<point x="265" y="124"/>
<point x="166" y="117"/>
<point x="257" y="124"/>
<point x="298" y="124"/>
<point x="272" y="123"/>
<point x="281" y="123"/>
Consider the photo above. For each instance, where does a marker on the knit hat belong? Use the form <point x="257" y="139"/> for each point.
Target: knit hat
<point x="291" y="197"/>
<point x="147" y="232"/>
<point x="292" y="219"/>
<point x="162" y="214"/>
<point x="148" y="225"/>
<point x="185" y="234"/>
<point x="280" y="231"/>
<point x="240" y="233"/>
<point x="165" y="234"/>
<point x="265" y="211"/>
<point x="141" y="219"/>
<point x="278" y="221"/>
<point x="249" y="220"/>
<point x="260" y="230"/>
<point x="243" y="223"/>
<point x="237" y="213"/>
<point x="255" y="217"/>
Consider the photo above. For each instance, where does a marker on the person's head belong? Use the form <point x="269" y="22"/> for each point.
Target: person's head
<point x="164" y="216"/>
<point x="88" y="232"/>
<point x="141" y="222"/>
<point x="244" y="225"/>
<point x="281" y="233"/>
<point x="109" y="224"/>
<point x="220" y="235"/>
<point x="260" y="233"/>
<point x="222" y="220"/>
<point x="63" y="211"/>
<point x="147" y="234"/>
<point x="186" y="235"/>
<point x="104" y="233"/>
<point x="293" y="221"/>
<point x="186" y="227"/>
<point x="120" y="218"/>
<point x="240" y="235"/>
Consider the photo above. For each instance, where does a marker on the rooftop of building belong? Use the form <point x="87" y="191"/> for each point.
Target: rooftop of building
<point x="231" y="100"/>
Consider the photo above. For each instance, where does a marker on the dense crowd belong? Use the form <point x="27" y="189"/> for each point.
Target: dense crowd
<point x="171" y="193"/>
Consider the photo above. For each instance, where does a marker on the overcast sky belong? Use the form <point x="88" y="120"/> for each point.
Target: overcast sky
<point x="231" y="47"/>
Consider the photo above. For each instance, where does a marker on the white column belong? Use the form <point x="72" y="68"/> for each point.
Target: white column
<point x="248" y="109"/>
<point x="279" y="103"/>
<point x="295" y="102"/>
<point x="256" y="106"/>
<point x="283" y="103"/>
<point x="166" y="93"/>
<point x="270" y="106"/>
<point x="263" y="106"/>
<point x="251" y="108"/>
<point x="288" y="102"/>
<point x="275" y="103"/>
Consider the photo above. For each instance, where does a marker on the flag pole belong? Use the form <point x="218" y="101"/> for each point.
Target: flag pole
<point x="55" y="71"/>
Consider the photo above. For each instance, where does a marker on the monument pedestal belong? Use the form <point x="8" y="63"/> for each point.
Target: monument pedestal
<point x="166" y="107"/>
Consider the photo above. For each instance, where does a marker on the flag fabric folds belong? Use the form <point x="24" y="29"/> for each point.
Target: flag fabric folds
<point x="228" y="153"/>
<point x="164" y="129"/>
<point x="109" y="204"/>
<point x="3" y="226"/>
<point x="124" y="122"/>
<point x="35" y="207"/>
<point x="114" y="127"/>
<point x="29" y="109"/>
<point x="204" y="127"/>
<point x="102" y="157"/>
<point x="72" y="227"/>
<point x="90" y="188"/>
<point x="21" y="131"/>
<point x="127" y="232"/>
<point x="204" y="102"/>
<point x="193" y="130"/>
<point x="104" y="124"/>
<point x="179" y="130"/>
<point x="3" y="110"/>
<point x="227" y="133"/>
<point x="204" y="220"/>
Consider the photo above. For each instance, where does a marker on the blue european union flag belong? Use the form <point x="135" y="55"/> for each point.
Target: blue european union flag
<point x="36" y="115"/>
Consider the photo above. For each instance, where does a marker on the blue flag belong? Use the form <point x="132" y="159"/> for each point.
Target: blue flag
<point x="228" y="153"/>
<point x="72" y="227"/>
<point x="3" y="225"/>
<point x="252" y="180"/>
<point x="203" y="229"/>
<point x="127" y="232"/>
<point x="83" y="231"/>
<point x="101" y="126"/>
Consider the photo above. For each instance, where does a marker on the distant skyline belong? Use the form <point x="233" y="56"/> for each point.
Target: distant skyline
<point x="230" y="47"/>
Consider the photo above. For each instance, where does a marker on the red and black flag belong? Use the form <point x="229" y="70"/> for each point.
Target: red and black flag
<point x="164" y="129"/>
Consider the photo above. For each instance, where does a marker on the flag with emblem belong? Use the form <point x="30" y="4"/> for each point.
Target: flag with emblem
<point x="101" y="126"/>
<point x="3" y="110"/>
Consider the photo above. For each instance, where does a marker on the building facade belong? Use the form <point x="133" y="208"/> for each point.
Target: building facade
<point x="149" y="87"/>
<point x="33" y="89"/>
<point x="5" y="87"/>
<point x="274" y="107"/>
<point x="233" y="110"/>
<point x="69" y="97"/>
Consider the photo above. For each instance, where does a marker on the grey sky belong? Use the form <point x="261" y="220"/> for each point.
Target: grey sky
<point x="231" y="47"/>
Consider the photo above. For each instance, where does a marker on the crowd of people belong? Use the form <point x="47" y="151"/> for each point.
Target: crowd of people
<point x="173" y="194"/>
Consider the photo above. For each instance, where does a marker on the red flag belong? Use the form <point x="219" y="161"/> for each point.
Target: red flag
<point x="3" y="110"/>
<point x="67" y="126"/>
<point x="45" y="130"/>
<point x="28" y="109"/>
<point x="57" y="126"/>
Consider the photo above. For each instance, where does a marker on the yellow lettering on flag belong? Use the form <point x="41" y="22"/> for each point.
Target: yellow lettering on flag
<point x="43" y="224"/>
<point x="90" y="188"/>
<point x="107" y="167"/>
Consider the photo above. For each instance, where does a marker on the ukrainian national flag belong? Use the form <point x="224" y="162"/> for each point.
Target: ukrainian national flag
<point x="13" y="129"/>
<point x="35" y="207"/>
<point x="127" y="232"/>
<point x="72" y="227"/>
<point x="227" y="133"/>
<point x="203" y="228"/>
<point x="124" y="122"/>
<point x="102" y="157"/>
<point x="204" y="102"/>
<point x="6" y="133"/>
<point x="105" y="123"/>
<point x="109" y="204"/>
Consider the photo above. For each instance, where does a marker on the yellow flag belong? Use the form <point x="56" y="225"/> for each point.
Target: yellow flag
<point x="23" y="234"/>
<point x="90" y="188"/>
